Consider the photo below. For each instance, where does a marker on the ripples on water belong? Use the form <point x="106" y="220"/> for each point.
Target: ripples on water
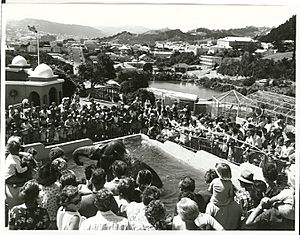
<point x="168" y="168"/>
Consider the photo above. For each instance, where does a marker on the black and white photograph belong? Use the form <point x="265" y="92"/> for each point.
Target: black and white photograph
<point x="148" y="117"/>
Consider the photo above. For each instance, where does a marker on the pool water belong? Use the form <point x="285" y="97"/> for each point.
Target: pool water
<point x="168" y="168"/>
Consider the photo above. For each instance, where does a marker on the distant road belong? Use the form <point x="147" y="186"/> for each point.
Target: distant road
<point x="76" y="57"/>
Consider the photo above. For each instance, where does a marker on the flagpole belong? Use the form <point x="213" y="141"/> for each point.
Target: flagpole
<point x="37" y="43"/>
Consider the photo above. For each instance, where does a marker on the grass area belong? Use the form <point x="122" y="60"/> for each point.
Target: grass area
<point x="279" y="56"/>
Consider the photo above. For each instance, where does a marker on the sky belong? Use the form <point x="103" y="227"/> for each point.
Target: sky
<point x="184" y="17"/>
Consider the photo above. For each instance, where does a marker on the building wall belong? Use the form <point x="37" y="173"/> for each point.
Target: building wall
<point x="223" y="43"/>
<point x="24" y="92"/>
<point x="210" y="60"/>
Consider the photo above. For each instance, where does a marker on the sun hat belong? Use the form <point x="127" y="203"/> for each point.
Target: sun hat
<point x="246" y="177"/>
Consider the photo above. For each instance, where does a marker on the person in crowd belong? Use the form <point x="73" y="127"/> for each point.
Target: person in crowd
<point x="156" y="215"/>
<point x="105" y="219"/>
<point x="88" y="208"/>
<point x="119" y="170"/>
<point x="143" y="180"/>
<point x="56" y="152"/>
<point x="259" y="190"/>
<point x="187" y="184"/>
<point x="85" y="188"/>
<point x="277" y="212"/>
<point x="68" y="217"/>
<point x="222" y="187"/>
<point x="270" y="174"/>
<point x="68" y="177"/>
<point x="15" y="167"/>
<point x="244" y="195"/>
<point x="206" y="194"/>
<point x="136" y="210"/>
<point x="222" y="206"/>
<point x="58" y="166"/>
<point x="286" y="150"/>
<point x="29" y="216"/>
<point x="26" y="129"/>
<point x="17" y="171"/>
<point x="48" y="196"/>
<point x="189" y="217"/>
<point x="126" y="194"/>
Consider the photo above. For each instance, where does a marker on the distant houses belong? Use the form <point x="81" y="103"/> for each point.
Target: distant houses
<point x="235" y="42"/>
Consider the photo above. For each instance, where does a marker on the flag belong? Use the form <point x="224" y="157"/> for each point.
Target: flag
<point x="32" y="28"/>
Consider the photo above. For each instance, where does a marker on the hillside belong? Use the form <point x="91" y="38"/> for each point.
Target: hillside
<point x="249" y="31"/>
<point x="55" y="28"/>
<point x="166" y="34"/>
<point x="286" y="31"/>
<point x="112" y="30"/>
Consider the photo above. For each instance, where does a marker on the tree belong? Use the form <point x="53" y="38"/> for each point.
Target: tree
<point x="142" y="94"/>
<point x="97" y="71"/>
<point x="148" y="67"/>
<point x="131" y="81"/>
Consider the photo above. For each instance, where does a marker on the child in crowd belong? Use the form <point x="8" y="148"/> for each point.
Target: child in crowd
<point x="222" y="188"/>
<point x="68" y="217"/>
<point x="15" y="166"/>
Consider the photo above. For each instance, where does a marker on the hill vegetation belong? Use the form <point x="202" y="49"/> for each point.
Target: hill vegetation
<point x="55" y="28"/>
<point x="286" y="31"/>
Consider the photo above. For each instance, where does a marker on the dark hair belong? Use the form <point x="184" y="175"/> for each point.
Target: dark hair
<point x="259" y="188"/>
<point x="67" y="194"/>
<point x="88" y="171"/>
<point x="30" y="190"/>
<point x="45" y="175"/>
<point x="282" y="180"/>
<point x="56" y="152"/>
<point x="126" y="188"/>
<point x="150" y="193"/>
<point x="68" y="177"/>
<point x="270" y="171"/>
<point x="187" y="184"/>
<point x="98" y="178"/>
<point x="144" y="178"/>
<point x="104" y="200"/>
<point x="223" y="170"/>
<point x="58" y="165"/>
<point x="210" y="175"/>
<point x="155" y="213"/>
<point x="187" y="194"/>
<point x="119" y="168"/>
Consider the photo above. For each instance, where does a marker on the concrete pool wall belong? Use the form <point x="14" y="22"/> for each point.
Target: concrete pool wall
<point x="200" y="160"/>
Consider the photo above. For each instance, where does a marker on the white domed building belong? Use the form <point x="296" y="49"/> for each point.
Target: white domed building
<point x="39" y="86"/>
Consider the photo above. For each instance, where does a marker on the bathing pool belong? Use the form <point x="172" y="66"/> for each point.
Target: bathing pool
<point x="167" y="167"/>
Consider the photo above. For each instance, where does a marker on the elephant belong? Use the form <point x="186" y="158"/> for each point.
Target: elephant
<point x="106" y="154"/>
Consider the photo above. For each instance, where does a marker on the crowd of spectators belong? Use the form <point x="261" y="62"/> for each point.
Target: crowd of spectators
<point x="222" y="136"/>
<point x="54" y="198"/>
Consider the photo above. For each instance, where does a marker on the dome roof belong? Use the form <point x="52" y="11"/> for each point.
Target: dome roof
<point x="19" y="61"/>
<point x="43" y="71"/>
